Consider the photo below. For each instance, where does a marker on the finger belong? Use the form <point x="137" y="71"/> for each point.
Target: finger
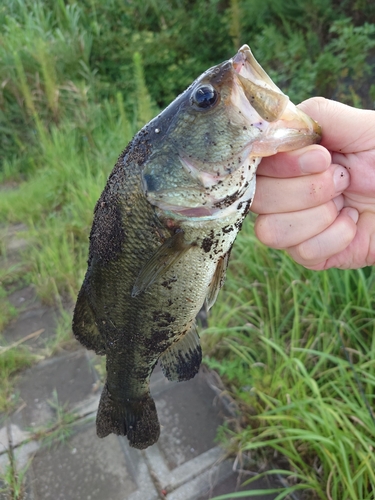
<point x="362" y="180"/>
<point x="337" y="119"/>
<point x="315" y="253"/>
<point x="299" y="193"/>
<point x="309" y="160"/>
<point x="284" y="230"/>
<point x="361" y="251"/>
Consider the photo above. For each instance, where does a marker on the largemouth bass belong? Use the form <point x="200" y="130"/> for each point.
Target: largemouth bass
<point x="163" y="229"/>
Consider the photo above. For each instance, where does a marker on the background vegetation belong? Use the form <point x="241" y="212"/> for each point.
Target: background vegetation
<point x="296" y="349"/>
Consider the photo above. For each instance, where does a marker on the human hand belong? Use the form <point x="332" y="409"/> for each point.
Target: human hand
<point x="318" y="202"/>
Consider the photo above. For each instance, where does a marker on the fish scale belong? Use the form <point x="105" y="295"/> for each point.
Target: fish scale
<point x="163" y="229"/>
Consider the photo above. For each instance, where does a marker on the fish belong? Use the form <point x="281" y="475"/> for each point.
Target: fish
<point x="163" y="229"/>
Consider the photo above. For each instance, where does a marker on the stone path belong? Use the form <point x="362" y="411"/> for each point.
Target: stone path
<point x="185" y="464"/>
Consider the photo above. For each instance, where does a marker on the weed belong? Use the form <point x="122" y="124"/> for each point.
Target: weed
<point x="13" y="479"/>
<point x="63" y="338"/>
<point x="60" y="428"/>
<point x="7" y="311"/>
<point x="12" y="361"/>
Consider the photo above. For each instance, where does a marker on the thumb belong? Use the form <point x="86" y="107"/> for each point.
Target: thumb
<point x="344" y="129"/>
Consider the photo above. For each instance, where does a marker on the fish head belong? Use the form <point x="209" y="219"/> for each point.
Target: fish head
<point x="207" y="144"/>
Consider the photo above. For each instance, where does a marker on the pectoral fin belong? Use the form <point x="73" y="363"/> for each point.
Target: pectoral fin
<point x="166" y="255"/>
<point x="217" y="281"/>
<point x="182" y="360"/>
<point x="84" y="327"/>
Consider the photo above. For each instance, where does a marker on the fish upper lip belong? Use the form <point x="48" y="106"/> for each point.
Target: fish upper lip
<point x="245" y="61"/>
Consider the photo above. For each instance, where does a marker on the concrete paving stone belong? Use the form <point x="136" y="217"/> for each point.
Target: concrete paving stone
<point x="191" y="412"/>
<point x="189" y="420"/>
<point x="18" y="435"/>
<point x="233" y="483"/>
<point x="4" y="463"/>
<point x="88" y="406"/>
<point x="203" y="477"/>
<point x="172" y="479"/>
<point x="25" y="298"/>
<point x="31" y="320"/>
<point x="201" y="484"/>
<point x="24" y="454"/>
<point x="70" y="376"/>
<point x="159" y="383"/>
<point x="4" y="440"/>
<point x="83" y="468"/>
<point x="141" y="474"/>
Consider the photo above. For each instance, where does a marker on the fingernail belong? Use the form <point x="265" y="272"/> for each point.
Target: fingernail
<point x="341" y="179"/>
<point x="313" y="161"/>
<point x="353" y="214"/>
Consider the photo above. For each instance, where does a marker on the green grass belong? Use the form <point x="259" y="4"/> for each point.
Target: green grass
<point x="13" y="480"/>
<point x="7" y="311"/>
<point x="12" y="361"/>
<point x="296" y="350"/>
<point x="57" y="201"/>
<point x="60" y="428"/>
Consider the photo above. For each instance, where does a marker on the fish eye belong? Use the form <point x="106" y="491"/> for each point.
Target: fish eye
<point x="205" y="96"/>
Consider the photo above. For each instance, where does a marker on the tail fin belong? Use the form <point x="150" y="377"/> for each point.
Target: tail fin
<point x="136" y="419"/>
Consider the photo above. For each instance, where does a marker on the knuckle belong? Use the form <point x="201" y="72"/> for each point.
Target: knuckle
<point x="266" y="231"/>
<point x="321" y="189"/>
<point x="307" y="252"/>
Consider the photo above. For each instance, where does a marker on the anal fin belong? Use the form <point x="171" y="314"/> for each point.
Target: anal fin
<point x="182" y="359"/>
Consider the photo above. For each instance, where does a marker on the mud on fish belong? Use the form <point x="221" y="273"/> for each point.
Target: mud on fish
<point x="163" y="229"/>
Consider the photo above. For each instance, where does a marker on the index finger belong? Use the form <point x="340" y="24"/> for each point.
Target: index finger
<point x="345" y="129"/>
<point x="309" y="160"/>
